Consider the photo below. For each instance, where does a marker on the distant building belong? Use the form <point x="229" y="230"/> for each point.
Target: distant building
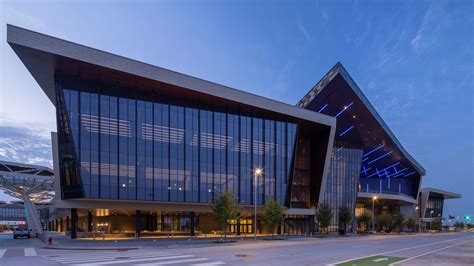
<point x="431" y="203"/>
<point x="11" y="214"/>
<point x="142" y="149"/>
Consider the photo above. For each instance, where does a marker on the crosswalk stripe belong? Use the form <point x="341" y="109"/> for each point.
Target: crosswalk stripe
<point x="98" y="259"/>
<point x="102" y="255"/>
<point x="134" y="260"/>
<point x="30" y="252"/>
<point x="171" y="262"/>
<point x="2" y="252"/>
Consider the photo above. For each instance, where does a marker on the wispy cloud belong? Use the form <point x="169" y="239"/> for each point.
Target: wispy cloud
<point x="303" y="30"/>
<point x="25" y="145"/>
<point x="417" y="41"/>
<point x="436" y="17"/>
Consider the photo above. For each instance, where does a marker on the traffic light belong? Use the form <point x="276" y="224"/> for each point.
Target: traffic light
<point x="468" y="217"/>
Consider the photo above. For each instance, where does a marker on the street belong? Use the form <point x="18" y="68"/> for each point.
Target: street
<point x="420" y="249"/>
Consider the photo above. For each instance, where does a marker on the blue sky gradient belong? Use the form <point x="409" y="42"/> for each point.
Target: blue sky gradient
<point x="414" y="60"/>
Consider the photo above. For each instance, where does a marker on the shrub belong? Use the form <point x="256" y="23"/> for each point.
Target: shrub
<point x="398" y="222"/>
<point x="385" y="221"/>
<point x="365" y="218"/>
<point x="411" y="223"/>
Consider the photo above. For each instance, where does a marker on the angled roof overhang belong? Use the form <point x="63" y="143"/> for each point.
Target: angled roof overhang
<point x="400" y="197"/>
<point x="441" y="193"/>
<point x="44" y="56"/>
<point x="358" y="123"/>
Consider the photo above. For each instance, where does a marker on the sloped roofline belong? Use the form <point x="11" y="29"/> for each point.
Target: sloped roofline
<point x="338" y="68"/>
<point x="446" y="194"/>
<point x="17" y="36"/>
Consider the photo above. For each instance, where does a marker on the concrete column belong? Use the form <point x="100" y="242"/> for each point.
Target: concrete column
<point x="238" y="227"/>
<point x="192" y="224"/>
<point x="138" y="222"/>
<point x="68" y="227"/>
<point x="89" y="221"/>
<point x="73" y="223"/>
<point x="311" y="224"/>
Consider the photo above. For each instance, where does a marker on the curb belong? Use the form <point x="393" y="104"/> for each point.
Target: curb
<point x="86" y="248"/>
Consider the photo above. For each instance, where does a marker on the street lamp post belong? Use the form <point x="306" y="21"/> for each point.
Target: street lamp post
<point x="374" y="198"/>
<point x="257" y="172"/>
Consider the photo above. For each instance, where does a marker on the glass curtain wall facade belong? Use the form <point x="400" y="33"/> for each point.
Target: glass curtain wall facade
<point x="114" y="147"/>
<point x="434" y="207"/>
<point x="342" y="181"/>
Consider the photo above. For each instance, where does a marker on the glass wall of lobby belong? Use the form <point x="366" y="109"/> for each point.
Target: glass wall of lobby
<point x="380" y="207"/>
<point x="100" y="223"/>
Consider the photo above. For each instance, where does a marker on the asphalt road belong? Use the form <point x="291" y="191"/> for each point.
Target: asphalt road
<point x="425" y="249"/>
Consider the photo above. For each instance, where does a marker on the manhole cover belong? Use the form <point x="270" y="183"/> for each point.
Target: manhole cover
<point x="122" y="258"/>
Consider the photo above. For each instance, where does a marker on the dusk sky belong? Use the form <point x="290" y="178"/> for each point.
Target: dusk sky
<point x="414" y="60"/>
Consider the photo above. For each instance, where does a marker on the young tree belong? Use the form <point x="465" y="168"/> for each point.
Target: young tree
<point x="345" y="217"/>
<point x="324" y="215"/>
<point x="459" y="225"/>
<point x="411" y="223"/>
<point x="385" y="221"/>
<point x="225" y="209"/>
<point x="398" y="222"/>
<point x="365" y="219"/>
<point x="436" y="224"/>
<point x="272" y="215"/>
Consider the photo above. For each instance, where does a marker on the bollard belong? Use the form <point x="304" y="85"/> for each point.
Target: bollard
<point x="93" y="236"/>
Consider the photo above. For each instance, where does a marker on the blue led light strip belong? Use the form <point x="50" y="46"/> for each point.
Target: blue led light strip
<point x="409" y="174"/>
<point x="381" y="145"/>
<point x="395" y="169"/>
<point x="380" y="157"/>
<point x="399" y="173"/>
<point x="397" y="163"/>
<point x="345" y="131"/>
<point x="322" y="108"/>
<point x="365" y="170"/>
<point x="343" y="109"/>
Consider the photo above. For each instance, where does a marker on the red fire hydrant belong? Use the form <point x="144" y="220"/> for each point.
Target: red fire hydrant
<point x="50" y="241"/>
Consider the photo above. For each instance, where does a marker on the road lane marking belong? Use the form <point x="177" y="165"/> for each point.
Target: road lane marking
<point x="135" y="260"/>
<point x="209" y="263"/>
<point x="171" y="262"/>
<point x="2" y="252"/>
<point x="381" y="259"/>
<point x="30" y="252"/>
<point x="427" y="253"/>
<point x="398" y="250"/>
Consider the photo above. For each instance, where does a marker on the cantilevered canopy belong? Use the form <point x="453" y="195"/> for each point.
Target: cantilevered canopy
<point x="29" y="183"/>
<point x="37" y="182"/>
<point x="440" y="193"/>
<point x="359" y="124"/>
<point x="45" y="56"/>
